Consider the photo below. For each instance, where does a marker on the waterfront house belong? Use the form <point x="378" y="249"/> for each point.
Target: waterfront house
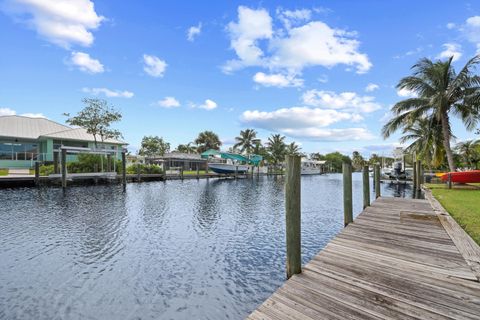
<point x="24" y="140"/>
<point x="187" y="161"/>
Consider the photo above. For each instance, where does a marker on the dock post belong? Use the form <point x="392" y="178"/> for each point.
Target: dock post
<point x="124" y="171"/>
<point x="366" y="187"/>
<point x="236" y="172"/>
<point x="347" y="193"/>
<point x="181" y="172"/>
<point x="198" y="172"/>
<point x="449" y="180"/>
<point x="377" y="181"/>
<point x="138" y="172"/>
<point x="419" y="176"/>
<point x="109" y="163"/>
<point x="37" y="172"/>
<point x="64" y="169"/>
<point x="292" y="215"/>
<point x="415" y="179"/>
<point x="55" y="162"/>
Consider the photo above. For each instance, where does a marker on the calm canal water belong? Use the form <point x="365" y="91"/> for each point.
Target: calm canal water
<point x="176" y="250"/>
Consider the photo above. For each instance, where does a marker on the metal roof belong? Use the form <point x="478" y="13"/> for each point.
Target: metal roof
<point x="20" y="127"/>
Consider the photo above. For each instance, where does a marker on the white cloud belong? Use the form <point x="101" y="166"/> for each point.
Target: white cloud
<point x="62" y="22"/>
<point x="450" y="49"/>
<point x="194" y="31"/>
<point x="169" y="102"/>
<point x="311" y="44"/>
<point x="371" y="87"/>
<point x="154" y="66"/>
<point x="252" y="25"/>
<point x="208" y="105"/>
<point x="11" y="112"/>
<point x="296" y="117"/>
<point x="307" y="123"/>
<point x="85" y="63"/>
<point x="277" y="80"/>
<point x="472" y="29"/>
<point x="293" y="17"/>
<point x="405" y="93"/>
<point x="7" y="112"/>
<point x="345" y="100"/>
<point x="33" y="115"/>
<point x="451" y="25"/>
<point x="109" y="93"/>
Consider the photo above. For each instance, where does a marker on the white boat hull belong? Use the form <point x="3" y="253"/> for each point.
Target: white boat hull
<point x="307" y="171"/>
<point x="225" y="168"/>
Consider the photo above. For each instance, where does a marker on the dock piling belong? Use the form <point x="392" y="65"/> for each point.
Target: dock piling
<point x="347" y="193"/>
<point x="366" y="187"/>
<point x="293" y="215"/>
<point x="37" y="172"/>
<point x="55" y="162"/>
<point x="377" y="180"/>
<point x="124" y="171"/>
<point x="64" y="169"/>
<point x="449" y="181"/>
<point x="419" y="176"/>
<point x="415" y="178"/>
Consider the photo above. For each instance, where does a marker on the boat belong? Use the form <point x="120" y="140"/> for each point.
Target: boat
<point x="311" y="167"/>
<point x="462" y="176"/>
<point x="230" y="163"/>
<point x="227" y="168"/>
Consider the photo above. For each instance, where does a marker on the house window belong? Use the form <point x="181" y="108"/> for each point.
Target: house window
<point x="18" y="151"/>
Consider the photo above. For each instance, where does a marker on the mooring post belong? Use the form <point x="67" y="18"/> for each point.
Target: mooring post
<point x="64" y="169"/>
<point x="419" y="176"/>
<point x="449" y="180"/>
<point x="377" y="181"/>
<point x="37" y="172"/>
<point x="124" y="171"/>
<point x="347" y="193"/>
<point x="293" y="215"/>
<point x="198" y="172"/>
<point x="366" y="187"/>
<point x="236" y="172"/>
<point x="138" y="172"/>
<point x="55" y="162"/>
<point x="109" y="162"/>
<point x="415" y="178"/>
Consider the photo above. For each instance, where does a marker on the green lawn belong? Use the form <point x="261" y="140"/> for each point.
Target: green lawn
<point x="463" y="204"/>
<point x="193" y="172"/>
<point x="3" y="172"/>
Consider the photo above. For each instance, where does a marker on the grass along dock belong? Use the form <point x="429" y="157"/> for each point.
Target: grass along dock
<point x="399" y="259"/>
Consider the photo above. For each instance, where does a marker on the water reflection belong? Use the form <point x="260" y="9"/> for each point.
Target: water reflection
<point x="177" y="250"/>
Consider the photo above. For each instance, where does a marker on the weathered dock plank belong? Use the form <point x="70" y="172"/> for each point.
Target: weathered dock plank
<point x="399" y="259"/>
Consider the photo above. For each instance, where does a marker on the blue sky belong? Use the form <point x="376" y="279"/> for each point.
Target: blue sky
<point x="323" y="73"/>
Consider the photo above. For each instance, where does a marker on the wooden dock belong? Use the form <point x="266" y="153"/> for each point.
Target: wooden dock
<point x="399" y="259"/>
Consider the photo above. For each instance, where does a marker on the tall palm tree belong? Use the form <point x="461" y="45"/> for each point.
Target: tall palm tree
<point x="357" y="160"/>
<point x="441" y="92"/>
<point x="207" y="140"/>
<point x="245" y="142"/>
<point x="468" y="150"/>
<point x="293" y="149"/>
<point x="426" y="142"/>
<point x="276" y="147"/>
<point x="187" y="148"/>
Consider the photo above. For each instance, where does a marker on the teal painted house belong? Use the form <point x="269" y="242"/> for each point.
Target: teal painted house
<point x="24" y="140"/>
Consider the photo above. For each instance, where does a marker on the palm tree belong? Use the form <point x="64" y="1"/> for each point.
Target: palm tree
<point x="293" y="149"/>
<point x="246" y="141"/>
<point x="440" y="92"/>
<point x="357" y="160"/>
<point x="427" y="143"/>
<point x="187" y="148"/>
<point x="277" y="148"/>
<point x="468" y="150"/>
<point x="207" y="140"/>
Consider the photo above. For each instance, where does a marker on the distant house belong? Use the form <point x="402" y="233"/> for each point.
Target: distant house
<point x="187" y="161"/>
<point x="24" y="140"/>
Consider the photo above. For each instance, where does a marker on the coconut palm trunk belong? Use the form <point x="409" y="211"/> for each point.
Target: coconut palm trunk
<point x="446" y="141"/>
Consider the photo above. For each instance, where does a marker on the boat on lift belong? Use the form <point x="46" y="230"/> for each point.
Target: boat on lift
<point x="230" y="163"/>
<point x="309" y="167"/>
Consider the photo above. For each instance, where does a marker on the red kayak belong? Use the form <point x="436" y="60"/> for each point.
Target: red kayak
<point x="463" y="177"/>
